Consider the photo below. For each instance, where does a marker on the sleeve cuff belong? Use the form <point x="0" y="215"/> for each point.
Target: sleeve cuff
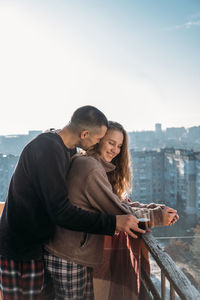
<point x="156" y="217"/>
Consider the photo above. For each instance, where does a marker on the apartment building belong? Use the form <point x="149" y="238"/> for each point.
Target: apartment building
<point x="148" y="181"/>
<point x="169" y="176"/>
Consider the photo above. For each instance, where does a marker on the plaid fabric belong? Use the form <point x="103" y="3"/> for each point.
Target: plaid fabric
<point x="21" y="280"/>
<point x="71" y="281"/>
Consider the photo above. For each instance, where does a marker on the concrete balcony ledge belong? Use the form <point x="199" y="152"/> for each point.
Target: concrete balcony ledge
<point x="179" y="284"/>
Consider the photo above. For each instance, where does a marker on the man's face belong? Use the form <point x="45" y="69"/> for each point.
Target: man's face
<point x="89" y="139"/>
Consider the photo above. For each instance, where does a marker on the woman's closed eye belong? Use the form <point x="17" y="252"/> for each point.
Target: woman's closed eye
<point x="112" y="144"/>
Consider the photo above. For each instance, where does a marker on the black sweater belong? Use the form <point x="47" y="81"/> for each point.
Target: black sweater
<point x="38" y="201"/>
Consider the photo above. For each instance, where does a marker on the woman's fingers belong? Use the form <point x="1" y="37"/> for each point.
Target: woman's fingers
<point x="170" y="210"/>
<point x="171" y="217"/>
<point x="175" y="219"/>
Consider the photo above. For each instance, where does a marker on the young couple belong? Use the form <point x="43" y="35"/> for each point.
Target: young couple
<point x="47" y="199"/>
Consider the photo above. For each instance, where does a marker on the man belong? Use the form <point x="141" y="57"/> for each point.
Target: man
<point x="38" y="201"/>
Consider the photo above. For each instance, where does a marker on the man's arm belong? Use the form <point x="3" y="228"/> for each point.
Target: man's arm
<point x="48" y="172"/>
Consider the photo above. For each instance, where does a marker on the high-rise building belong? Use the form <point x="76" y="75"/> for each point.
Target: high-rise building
<point x="173" y="137"/>
<point x="180" y="179"/>
<point x="148" y="172"/>
<point x="198" y="182"/>
<point x="169" y="176"/>
<point x="158" y="127"/>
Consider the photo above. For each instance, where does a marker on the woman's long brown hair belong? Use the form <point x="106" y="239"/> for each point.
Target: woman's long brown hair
<point x="120" y="178"/>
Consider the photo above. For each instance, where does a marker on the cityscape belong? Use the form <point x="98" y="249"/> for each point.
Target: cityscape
<point x="137" y="62"/>
<point x="165" y="169"/>
<point x="170" y="176"/>
<point x="165" y="166"/>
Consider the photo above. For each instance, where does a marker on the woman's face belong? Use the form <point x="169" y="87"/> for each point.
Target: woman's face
<point x="110" y="145"/>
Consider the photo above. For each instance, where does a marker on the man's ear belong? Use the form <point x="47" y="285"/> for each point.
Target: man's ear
<point x="84" y="134"/>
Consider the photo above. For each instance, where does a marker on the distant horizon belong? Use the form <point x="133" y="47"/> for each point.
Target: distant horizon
<point x="138" y="130"/>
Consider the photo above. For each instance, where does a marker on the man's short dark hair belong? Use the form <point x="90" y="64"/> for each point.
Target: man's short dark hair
<point x="87" y="117"/>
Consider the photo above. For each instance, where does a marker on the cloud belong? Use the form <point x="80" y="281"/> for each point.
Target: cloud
<point x="191" y="24"/>
<point x="187" y="25"/>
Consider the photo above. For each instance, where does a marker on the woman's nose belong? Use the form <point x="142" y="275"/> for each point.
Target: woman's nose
<point x="114" y="149"/>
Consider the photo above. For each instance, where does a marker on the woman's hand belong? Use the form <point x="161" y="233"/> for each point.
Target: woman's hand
<point x="170" y="216"/>
<point x="175" y="219"/>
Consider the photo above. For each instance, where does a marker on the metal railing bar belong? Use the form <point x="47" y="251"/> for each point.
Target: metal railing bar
<point x="181" y="283"/>
<point x="150" y="285"/>
<point x="172" y="292"/>
<point x="163" y="287"/>
<point x="144" y="288"/>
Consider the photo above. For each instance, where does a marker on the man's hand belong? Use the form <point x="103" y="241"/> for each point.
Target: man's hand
<point x="128" y="224"/>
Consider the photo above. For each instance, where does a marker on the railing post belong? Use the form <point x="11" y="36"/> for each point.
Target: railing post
<point x="172" y="292"/>
<point x="180" y="284"/>
<point x="163" y="288"/>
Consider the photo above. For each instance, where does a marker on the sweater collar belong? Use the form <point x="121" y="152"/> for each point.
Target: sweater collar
<point x="107" y="165"/>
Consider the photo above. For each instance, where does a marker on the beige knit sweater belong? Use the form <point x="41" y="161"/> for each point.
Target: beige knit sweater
<point x="90" y="189"/>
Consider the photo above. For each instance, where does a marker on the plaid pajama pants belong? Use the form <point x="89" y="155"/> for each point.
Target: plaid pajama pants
<point x="71" y="281"/>
<point x="21" y="280"/>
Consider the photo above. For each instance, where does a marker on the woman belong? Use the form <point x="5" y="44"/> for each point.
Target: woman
<point x="95" y="184"/>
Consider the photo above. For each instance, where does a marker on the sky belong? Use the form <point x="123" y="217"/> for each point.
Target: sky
<point x="136" y="60"/>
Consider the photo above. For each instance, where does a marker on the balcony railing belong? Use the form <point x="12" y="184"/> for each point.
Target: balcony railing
<point x="180" y="286"/>
<point x="179" y="283"/>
